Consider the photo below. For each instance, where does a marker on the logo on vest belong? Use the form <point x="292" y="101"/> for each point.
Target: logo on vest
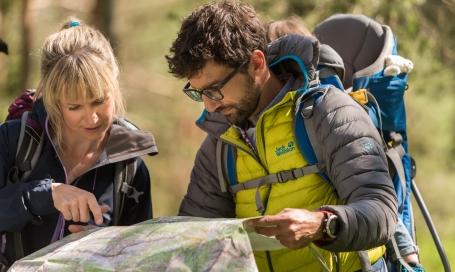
<point x="367" y="145"/>
<point x="281" y="150"/>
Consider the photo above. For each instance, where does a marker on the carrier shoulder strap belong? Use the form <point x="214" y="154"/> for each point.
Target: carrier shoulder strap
<point x="124" y="175"/>
<point x="306" y="139"/>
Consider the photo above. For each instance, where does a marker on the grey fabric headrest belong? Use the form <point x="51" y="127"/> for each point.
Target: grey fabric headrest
<point x="330" y="58"/>
<point x="358" y="39"/>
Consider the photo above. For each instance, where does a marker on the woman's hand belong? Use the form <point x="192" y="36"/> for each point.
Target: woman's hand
<point x="74" y="228"/>
<point x="75" y="204"/>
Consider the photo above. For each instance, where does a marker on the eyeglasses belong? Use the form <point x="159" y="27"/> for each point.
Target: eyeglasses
<point x="212" y="92"/>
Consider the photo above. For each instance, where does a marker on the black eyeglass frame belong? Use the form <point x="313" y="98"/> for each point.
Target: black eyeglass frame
<point x="213" y="92"/>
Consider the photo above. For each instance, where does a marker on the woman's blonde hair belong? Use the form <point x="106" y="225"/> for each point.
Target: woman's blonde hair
<point x="292" y="25"/>
<point x="77" y="62"/>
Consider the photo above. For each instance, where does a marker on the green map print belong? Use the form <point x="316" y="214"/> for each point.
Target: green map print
<point x="162" y="244"/>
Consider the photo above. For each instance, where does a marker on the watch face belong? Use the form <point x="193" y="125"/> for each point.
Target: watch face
<point x="332" y="225"/>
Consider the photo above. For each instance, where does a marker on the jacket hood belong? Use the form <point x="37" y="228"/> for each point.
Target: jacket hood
<point x="213" y="122"/>
<point x="125" y="140"/>
<point x="296" y="55"/>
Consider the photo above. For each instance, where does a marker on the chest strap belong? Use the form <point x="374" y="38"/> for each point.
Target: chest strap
<point x="280" y="177"/>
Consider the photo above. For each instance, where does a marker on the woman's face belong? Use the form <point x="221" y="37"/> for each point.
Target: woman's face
<point x="87" y="119"/>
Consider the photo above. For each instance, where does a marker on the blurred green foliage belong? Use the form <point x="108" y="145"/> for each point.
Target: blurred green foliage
<point x="144" y="31"/>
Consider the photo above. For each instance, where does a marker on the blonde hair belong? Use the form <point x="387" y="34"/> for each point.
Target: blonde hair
<point x="292" y="25"/>
<point x="77" y="62"/>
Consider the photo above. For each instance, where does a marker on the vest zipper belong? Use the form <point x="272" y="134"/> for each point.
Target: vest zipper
<point x="336" y="258"/>
<point x="250" y="152"/>
<point x="269" y="188"/>
<point x="258" y="160"/>
<point x="269" y="261"/>
<point x="259" y="125"/>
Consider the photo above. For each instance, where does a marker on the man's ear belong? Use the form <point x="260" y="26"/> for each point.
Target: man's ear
<point x="258" y="64"/>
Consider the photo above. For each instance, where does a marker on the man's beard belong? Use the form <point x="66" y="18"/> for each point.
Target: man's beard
<point x="246" y="107"/>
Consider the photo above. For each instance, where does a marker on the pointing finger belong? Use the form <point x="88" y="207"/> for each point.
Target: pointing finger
<point x="96" y="210"/>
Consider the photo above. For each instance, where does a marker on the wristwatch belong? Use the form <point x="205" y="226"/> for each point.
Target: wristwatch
<point x="330" y="227"/>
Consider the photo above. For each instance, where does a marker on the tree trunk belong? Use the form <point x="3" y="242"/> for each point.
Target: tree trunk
<point x="26" y="45"/>
<point x="3" y="49"/>
<point x="102" y="19"/>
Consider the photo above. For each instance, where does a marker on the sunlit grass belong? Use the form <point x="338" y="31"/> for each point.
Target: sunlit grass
<point x="429" y="255"/>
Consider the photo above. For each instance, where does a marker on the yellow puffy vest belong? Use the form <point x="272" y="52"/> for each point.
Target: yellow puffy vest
<point x="277" y="150"/>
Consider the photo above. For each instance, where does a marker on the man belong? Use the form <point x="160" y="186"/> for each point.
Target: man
<point x="221" y="50"/>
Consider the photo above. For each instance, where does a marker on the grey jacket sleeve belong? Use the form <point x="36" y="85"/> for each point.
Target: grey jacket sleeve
<point x="350" y="146"/>
<point x="204" y="197"/>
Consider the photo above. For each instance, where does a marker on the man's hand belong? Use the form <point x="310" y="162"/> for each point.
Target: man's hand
<point x="294" y="228"/>
<point x="75" y="204"/>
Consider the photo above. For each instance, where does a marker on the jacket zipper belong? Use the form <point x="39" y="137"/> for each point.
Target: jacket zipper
<point x="60" y="216"/>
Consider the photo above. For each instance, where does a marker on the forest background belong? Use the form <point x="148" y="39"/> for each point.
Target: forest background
<point x="142" y="31"/>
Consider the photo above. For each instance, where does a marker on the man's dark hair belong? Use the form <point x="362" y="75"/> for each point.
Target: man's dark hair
<point x="226" y="32"/>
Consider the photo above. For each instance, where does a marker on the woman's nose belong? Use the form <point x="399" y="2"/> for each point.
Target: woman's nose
<point x="92" y="116"/>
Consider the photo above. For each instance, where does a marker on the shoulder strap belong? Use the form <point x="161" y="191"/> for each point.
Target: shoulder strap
<point x="123" y="179"/>
<point x="28" y="150"/>
<point x="124" y="175"/>
<point x="306" y="139"/>
<point x="220" y="158"/>
<point x="225" y="163"/>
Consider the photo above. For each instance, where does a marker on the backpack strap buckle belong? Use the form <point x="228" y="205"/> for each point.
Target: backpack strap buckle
<point x="285" y="176"/>
<point x="131" y="192"/>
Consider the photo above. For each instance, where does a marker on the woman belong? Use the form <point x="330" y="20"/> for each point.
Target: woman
<point x="79" y="107"/>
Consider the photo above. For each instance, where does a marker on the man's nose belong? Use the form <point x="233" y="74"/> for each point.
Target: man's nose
<point x="210" y="104"/>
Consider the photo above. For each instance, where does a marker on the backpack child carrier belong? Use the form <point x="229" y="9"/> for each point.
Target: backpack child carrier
<point x="28" y="151"/>
<point x="377" y="78"/>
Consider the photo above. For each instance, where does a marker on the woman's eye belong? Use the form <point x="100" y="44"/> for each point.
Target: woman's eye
<point x="72" y="108"/>
<point x="98" y="101"/>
